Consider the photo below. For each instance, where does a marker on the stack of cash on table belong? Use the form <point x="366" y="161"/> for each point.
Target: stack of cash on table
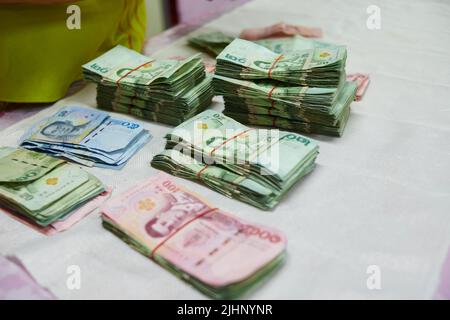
<point x="301" y="89"/>
<point x="41" y="189"/>
<point x="166" y="91"/>
<point x="212" y="42"/>
<point x="220" y="254"/>
<point x="87" y="136"/>
<point x="257" y="166"/>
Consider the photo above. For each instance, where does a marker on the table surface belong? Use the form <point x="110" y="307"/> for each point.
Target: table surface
<point x="380" y="195"/>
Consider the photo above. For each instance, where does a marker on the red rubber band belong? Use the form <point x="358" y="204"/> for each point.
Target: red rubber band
<point x="131" y="71"/>
<point x="270" y="98"/>
<point x="178" y="229"/>
<point x="228" y="140"/>
<point x="269" y="73"/>
<point x="199" y="174"/>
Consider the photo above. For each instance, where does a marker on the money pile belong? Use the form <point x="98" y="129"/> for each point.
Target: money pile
<point x="256" y="166"/>
<point x="16" y="283"/>
<point x="303" y="91"/>
<point x="41" y="189"/>
<point x="87" y="136"/>
<point x="166" y="91"/>
<point x="212" y="42"/>
<point x="218" y="253"/>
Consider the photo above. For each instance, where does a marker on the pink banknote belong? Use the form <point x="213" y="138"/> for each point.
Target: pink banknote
<point x="280" y="30"/>
<point x="16" y="283"/>
<point x="62" y="225"/>
<point x="362" y="80"/>
<point x="176" y="226"/>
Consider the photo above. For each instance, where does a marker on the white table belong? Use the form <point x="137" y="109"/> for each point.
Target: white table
<point x="380" y="195"/>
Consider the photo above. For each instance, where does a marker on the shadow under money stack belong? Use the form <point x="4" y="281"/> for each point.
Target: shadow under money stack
<point x="303" y="90"/>
<point x="166" y="91"/>
<point x="256" y="166"/>
<point x="41" y="189"/>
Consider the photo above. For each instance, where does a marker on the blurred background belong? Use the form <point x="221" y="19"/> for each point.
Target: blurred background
<point x="163" y="14"/>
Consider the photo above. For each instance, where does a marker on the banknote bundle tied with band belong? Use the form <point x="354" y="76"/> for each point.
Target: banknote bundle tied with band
<point x="87" y="136"/>
<point x="220" y="254"/>
<point x="168" y="91"/>
<point x="303" y="90"/>
<point x="256" y="166"/>
<point x="41" y="189"/>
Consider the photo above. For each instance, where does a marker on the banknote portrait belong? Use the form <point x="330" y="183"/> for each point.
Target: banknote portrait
<point x="63" y="130"/>
<point x="180" y="207"/>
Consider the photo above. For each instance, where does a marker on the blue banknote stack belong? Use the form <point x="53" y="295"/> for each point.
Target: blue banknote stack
<point x="87" y="136"/>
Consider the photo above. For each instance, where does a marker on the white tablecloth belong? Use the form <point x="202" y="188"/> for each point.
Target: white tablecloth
<point x="380" y="195"/>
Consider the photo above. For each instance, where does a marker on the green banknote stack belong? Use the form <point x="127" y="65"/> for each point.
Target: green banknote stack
<point x="42" y="189"/>
<point x="166" y="91"/>
<point x="256" y="166"/>
<point x="212" y="42"/>
<point x="303" y="90"/>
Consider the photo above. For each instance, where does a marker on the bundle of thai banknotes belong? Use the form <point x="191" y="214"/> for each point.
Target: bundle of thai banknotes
<point x="212" y="42"/>
<point x="284" y="42"/>
<point x="220" y="254"/>
<point x="256" y="166"/>
<point x="303" y="90"/>
<point x="215" y="41"/>
<point x="40" y="189"/>
<point x="87" y="136"/>
<point x="166" y="91"/>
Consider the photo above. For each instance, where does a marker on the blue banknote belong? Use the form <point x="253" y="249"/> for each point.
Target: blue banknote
<point x="87" y="136"/>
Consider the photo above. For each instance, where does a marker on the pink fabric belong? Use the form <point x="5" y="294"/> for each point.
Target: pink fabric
<point x="200" y="11"/>
<point x="443" y="289"/>
<point x="9" y="117"/>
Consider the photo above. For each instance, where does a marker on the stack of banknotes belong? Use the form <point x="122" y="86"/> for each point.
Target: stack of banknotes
<point x="87" y="136"/>
<point x="256" y="166"/>
<point x="220" y="254"/>
<point x="215" y="41"/>
<point x="212" y="42"/>
<point x="41" y="189"/>
<point x="303" y="91"/>
<point x="166" y="91"/>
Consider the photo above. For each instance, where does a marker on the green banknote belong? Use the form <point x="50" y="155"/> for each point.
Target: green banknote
<point x="316" y="67"/>
<point x="160" y="109"/>
<point x="132" y="83"/>
<point x="294" y="84"/>
<point x="41" y="188"/>
<point x="257" y="166"/>
<point x="305" y="119"/>
<point x="212" y="42"/>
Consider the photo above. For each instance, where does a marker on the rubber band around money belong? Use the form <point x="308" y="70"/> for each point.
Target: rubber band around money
<point x="269" y="73"/>
<point x="228" y="140"/>
<point x="131" y="71"/>
<point x="199" y="174"/>
<point x="270" y="98"/>
<point x="170" y="236"/>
